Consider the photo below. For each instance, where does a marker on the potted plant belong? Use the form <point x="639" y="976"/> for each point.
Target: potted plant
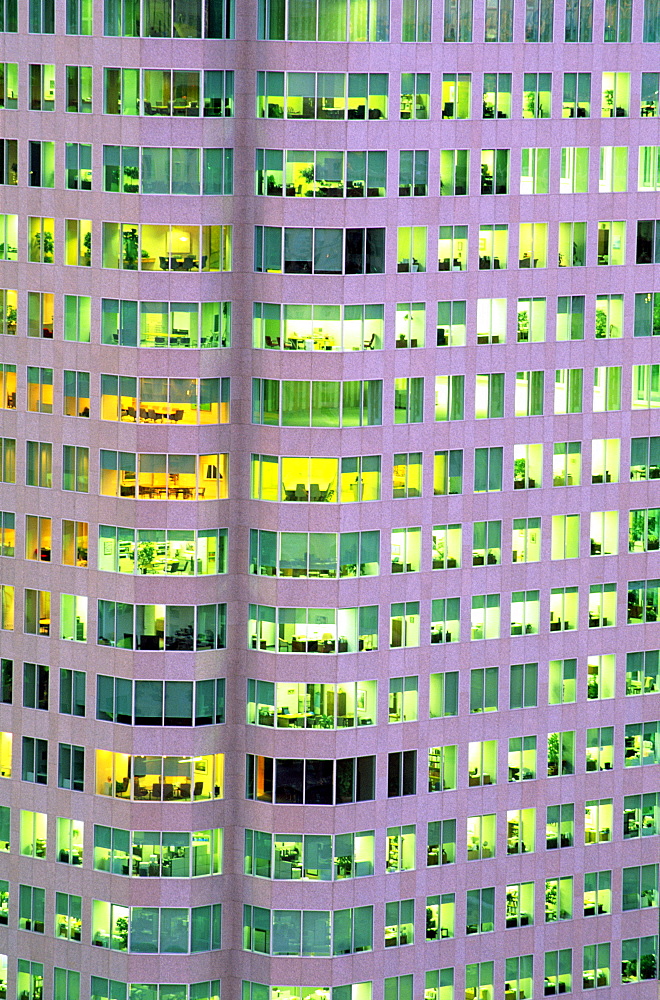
<point x="519" y="473"/>
<point x="10" y="319"/>
<point x="87" y="248"/>
<point x="601" y="324"/>
<point x="553" y="754"/>
<point x="130" y="240"/>
<point x="45" y="246"/>
<point x="146" y="553"/>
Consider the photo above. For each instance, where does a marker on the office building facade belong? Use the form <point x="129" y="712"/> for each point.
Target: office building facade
<point x="329" y="557"/>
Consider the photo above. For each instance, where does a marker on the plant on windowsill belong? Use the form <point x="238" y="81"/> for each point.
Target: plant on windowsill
<point x="10" y="319"/>
<point x="344" y="865"/>
<point x="130" y="240"/>
<point x="601" y="324"/>
<point x="121" y="928"/>
<point x="87" y="248"/>
<point x="553" y="755"/>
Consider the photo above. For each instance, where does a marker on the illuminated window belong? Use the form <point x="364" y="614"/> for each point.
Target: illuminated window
<point x="481" y="840"/>
<point x="442" y="768"/>
<point x="537" y="95"/>
<point x="456" y="87"/>
<point x="452" y="248"/>
<point x="533" y="244"/>
<point x="486" y="543"/>
<point x="480" y="919"/>
<point x="605" y="459"/>
<point x="526" y="539"/>
<point x="446" y="546"/>
<point x="565" y="536"/>
<point x="495" y="171"/>
<point x="561" y="679"/>
<point x="411" y="250"/>
<point x="454" y="171"/>
<point x="613" y="168"/>
<point x="561" y="753"/>
<point x="497" y="86"/>
<point x="616" y="95"/>
<point x="598" y="827"/>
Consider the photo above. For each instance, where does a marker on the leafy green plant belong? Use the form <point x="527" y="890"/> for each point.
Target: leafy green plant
<point x="146" y="554"/>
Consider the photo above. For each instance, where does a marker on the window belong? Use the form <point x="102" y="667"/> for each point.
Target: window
<point x="78" y="168"/>
<point x="526" y="539"/>
<point x="73" y="618"/>
<point x="41" y="240"/>
<point x="454" y="171"/>
<point x="538" y="20"/>
<point x="407" y="475"/>
<point x="573" y="179"/>
<point x="618" y="21"/>
<point x="598" y="822"/>
<point x="443" y="694"/>
<point x="535" y="171"/>
<point x="616" y="95"/>
<point x="640" y="887"/>
<point x="489" y="395"/>
<point x="321" y="95"/>
<point x="408" y="400"/>
<point x="347" y="22"/>
<point x="577" y="102"/>
<point x="642" y="744"/>
<point x="519" y="908"/>
<point x="39" y="390"/>
<point x="527" y="466"/>
<point x="525" y="612"/>
<point x="39" y="463"/>
<point x="66" y="983"/>
<point x="403" y="699"/>
<point x="523" y="682"/>
<point x="648" y="242"/>
<point x="612" y="242"/>
<point x="147" y="704"/>
<point x="642" y="670"/>
<point x="604" y="532"/>
<point x="565" y="536"/>
<point x="480" y="916"/>
<point x="188" y="22"/>
<point x="41" y="164"/>
<point x="456" y="87"/>
<point x="497" y="86"/>
<point x="314" y="782"/>
<point x="647" y="314"/>
<point x="498" y="25"/>
<point x="42" y="17"/>
<point x="8" y="386"/>
<point x="558" y="899"/>
<point x="30" y="979"/>
<point x="8" y="311"/>
<point x="579" y="15"/>
<point x="449" y="397"/>
<point x="448" y="472"/>
<point x="558" y="977"/>
<point x="520" y="828"/>
<point x="415" y="27"/>
<point x="495" y="171"/>
<point x="607" y="389"/>
<point x="481" y="838"/>
<point x="446" y="619"/>
<point x="572" y="253"/>
<point x="602" y="605"/>
<point x="68" y="916"/>
<point x="35" y="686"/>
<point x="605" y="459"/>
<point x="531" y="316"/>
<point x="75" y="543"/>
<point x="42" y="87"/>
<point x="452" y="248"/>
<point x="537" y="95"/>
<point x="34" y="765"/>
<point x="413" y="172"/>
<point x="40" y="315"/>
<point x="400" y="848"/>
<point x="529" y="393"/>
<point x="486" y="543"/>
<point x="560" y="826"/>
<point x="36" y="612"/>
<point x="297" y="554"/>
<point x="401" y="773"/>
<point x="561" y="753"/>
<point x="72" y="692"/>
<point x="522" y="758"/>
<point x="404" y="624"/>
<point x="613" y="168"/>
<point x="33" y="834"/>
<point x="482" y="763"/>
<point x="71" y="767"/>
<point x="125" y="246"/>
<point x="288" y="403"/>
<point x="458" y="21"/>
<point x="75" y="468"/>
<point x="485" y="616"/>
<point x="399" y="923"/>
<point x="79" y="88"/>
<point x="165" y="324"/>
<point x="122" y="92"/>
<point x="645" y="458"/>
<point x="410" y="324"/>
<point x="441" y="843"/>
<point x="155" y="929"/>
<point x="398" y="987"/>
<point x="79" y="17"/>
<point x="411" y="249"/>
<point x="487" y="470"/>
<point x="415" y="95"/>
<point x="442" y="768"/>
<point x="8" y="16"/>
<point x="650" y="81"/>
<point x="600" y="748"/>
<point x="484" y="689"/>
<point x="31" y="905"/>
<point x="6" y="608"/>
<point x="7" y="683"/>
<point x="337" y="328"/>
<point x="113" y="771"/>
<point x="493" y="253"/>
<point x="491" y="321"/>
<point x="5" y="755"/>
<point x="161" y="170"/>
<point x="78" y="242"/>
<point x="9" y="235"/>
<point x="533" y="244"/>
<point x="639" y="959"/>
<point x="567" y="464"/>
